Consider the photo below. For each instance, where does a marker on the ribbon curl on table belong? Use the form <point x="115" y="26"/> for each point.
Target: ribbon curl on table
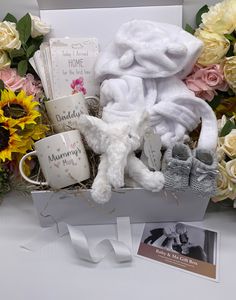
<point x="122" y="247"/>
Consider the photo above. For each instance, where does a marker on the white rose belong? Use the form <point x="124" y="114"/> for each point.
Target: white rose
<point x="230" y="168"/>
<point x="230" y="71"/>
<point x="229" y="145"/>
<point x="221" y="18"/>
<point x="221" y="123"/>
<point x="220" y="154"/>
<point x="215" y="47"/>
<point x="4" y="59"/>
<point x="9" y="36"/>
<point x="225" y="187"/>
<point x="38" y="27"/>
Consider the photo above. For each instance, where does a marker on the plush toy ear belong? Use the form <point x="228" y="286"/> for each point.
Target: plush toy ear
<point x="177" y="49"/>
<point x="94" y="131"/>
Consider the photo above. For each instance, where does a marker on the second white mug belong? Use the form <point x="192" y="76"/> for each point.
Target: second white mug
<point x="64" y="112"/>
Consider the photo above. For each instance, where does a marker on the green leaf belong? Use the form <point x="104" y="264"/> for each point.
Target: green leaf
<point x="10" y="18"/>
<point x="230" y="37"/>
<point x="22" y="67"/>
<point x="215" y="102"/>
<point x="35" y="41"/>
<point x="189" y="29"/>
<point x="201" y="11"/>
<point x="24" y="28"/>
<point x="229" y="125"/>
<point x="16" y="53"/>
<point x="1" y="85"/>
<point x="230" y="52"/>
<point x="30" y="51"/>
<point x="231" y="92"/>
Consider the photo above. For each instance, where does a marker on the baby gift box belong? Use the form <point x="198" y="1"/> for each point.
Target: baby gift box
<point x="93" y="18"/>
<point x="77" y="207"/>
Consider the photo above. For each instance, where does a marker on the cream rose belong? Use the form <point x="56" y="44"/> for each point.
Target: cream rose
<point x="229" y="145"/>
<point x="230" y="168"/>
<point x="221" y="18"/>
<point x="9" y="36"/>
<point x="215" y="47"/>
<point x="4" y="60"/>
<point x="230" y="72"/>
<point x="221" y="123"/>
<point x="225" y="187"/>
<point x="38" y="27"/>
<point x="220" y="153"/>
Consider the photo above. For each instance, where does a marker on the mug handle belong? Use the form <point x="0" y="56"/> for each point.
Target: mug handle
<point x="22" y="172"/>
<point x="92" y="97"/>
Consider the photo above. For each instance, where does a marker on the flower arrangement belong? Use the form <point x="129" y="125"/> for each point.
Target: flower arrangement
<point x="19" y="40"/>
<point x="22" y="118"/>
<point x="213" y="79"/>
<point x="227" y="159"/>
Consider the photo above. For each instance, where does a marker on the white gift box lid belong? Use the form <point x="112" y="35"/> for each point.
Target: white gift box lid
<point x="102" y="18"/>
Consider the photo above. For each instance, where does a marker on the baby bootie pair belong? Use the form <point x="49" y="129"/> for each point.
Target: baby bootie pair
<point x="183" y="168"/>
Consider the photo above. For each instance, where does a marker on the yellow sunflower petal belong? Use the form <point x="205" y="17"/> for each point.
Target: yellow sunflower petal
<point x="12" y="142"/>
<point x="27" y="104"/>
<point x="7" y="95"/>
<point x="39" y="132"/>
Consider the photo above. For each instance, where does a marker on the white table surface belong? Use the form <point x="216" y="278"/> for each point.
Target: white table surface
<point x="55" y="272"/>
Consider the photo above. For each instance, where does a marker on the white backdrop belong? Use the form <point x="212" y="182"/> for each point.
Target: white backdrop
<point x="20" y="7"/>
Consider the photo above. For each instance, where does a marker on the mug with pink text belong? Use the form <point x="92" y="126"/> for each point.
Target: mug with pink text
<point x="62" y="159"/>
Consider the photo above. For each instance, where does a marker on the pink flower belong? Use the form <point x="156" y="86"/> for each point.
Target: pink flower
<point x="32" y="86"/>
<point x="78" y="86"/>
<point x="213" y="76"/>
<point x="79" y="81"/>
<point x="11" y="79"/>
<point x="15" y="82"/>
<point x="206" y="95"/>
<point x="83" y="90"/>
<point x="205" y="81"/>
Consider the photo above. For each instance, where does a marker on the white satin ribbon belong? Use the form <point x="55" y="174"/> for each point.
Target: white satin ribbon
<point x="122" y="247"/>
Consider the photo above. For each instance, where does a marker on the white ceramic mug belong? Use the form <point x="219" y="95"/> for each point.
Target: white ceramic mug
<point x="64" y="112"/>
<point x="62" y="159"/>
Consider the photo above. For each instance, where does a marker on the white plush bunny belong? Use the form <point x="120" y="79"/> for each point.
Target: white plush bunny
<point x="116" y="143"/>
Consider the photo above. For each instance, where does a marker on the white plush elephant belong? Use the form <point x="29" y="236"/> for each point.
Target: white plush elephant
<point x="116" y="142"/>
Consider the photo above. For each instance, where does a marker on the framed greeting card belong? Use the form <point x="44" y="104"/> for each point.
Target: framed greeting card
<point x="72" y="62"/>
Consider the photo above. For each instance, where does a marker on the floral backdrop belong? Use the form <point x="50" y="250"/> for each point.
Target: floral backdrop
<point x="22" y="119"/>
<point x="213" y="79"/>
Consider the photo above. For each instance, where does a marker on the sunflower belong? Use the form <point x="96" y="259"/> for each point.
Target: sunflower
<point x="36" y="133"/>
<point x="19" y="108"/>
<point x="32" y="133"/>
<point x="10" y="141"/>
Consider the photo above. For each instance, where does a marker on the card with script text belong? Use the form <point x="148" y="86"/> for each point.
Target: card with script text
<point x="73" y="62"/>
